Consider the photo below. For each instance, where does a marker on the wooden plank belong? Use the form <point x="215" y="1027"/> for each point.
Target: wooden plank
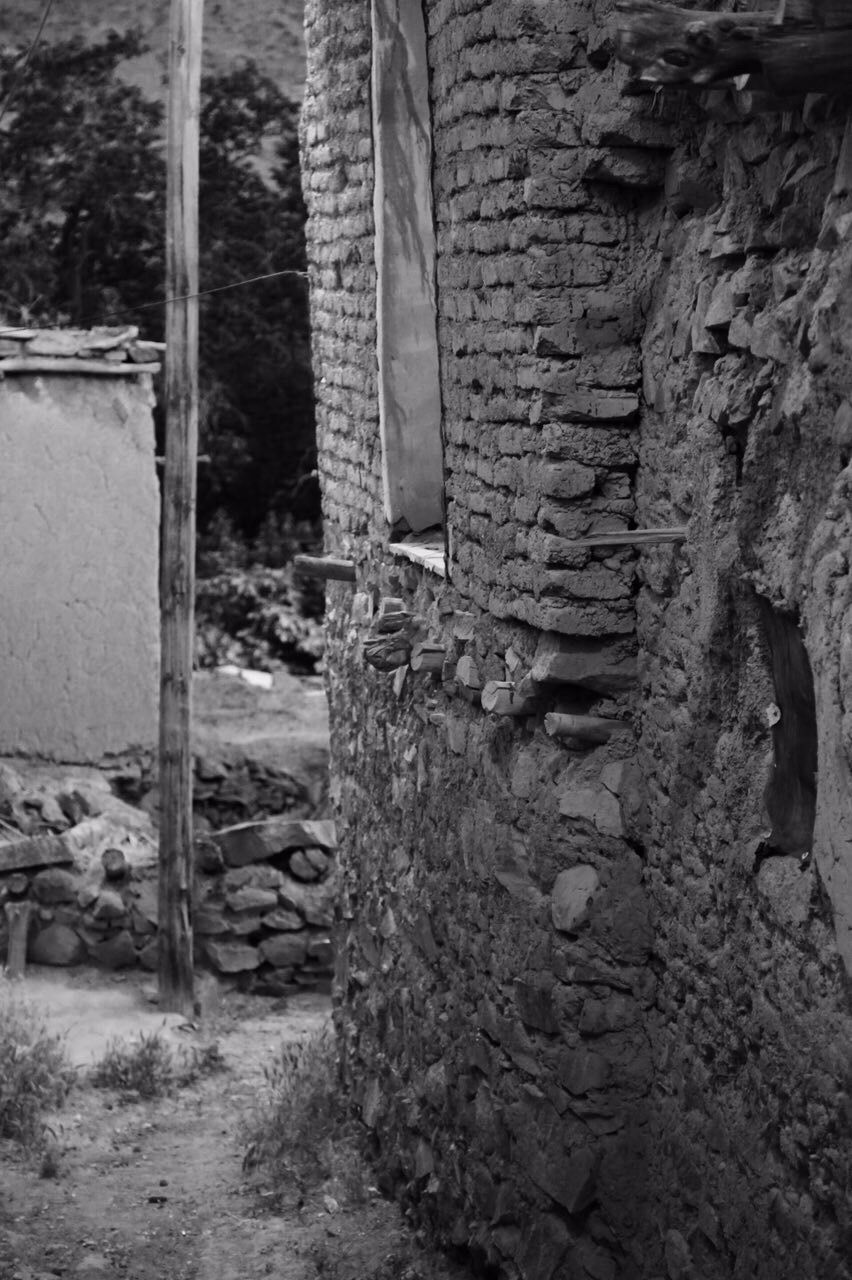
<point x="331" y="568"/>
<point x="33" y="851"/>
<point x="405" y="254"/>
<point x="74" y="364"/>
<point x="432" y="558"/>
<point x="175" y="970"/>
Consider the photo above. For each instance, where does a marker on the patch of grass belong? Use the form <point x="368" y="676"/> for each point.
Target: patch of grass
<point x="35" y="1075"/>
<point x="150" y="1068"/>
<point x="301" y="1132"/>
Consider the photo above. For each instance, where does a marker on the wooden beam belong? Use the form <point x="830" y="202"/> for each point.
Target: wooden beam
<point x="65" y="365"/>
<point x="328" y="567"/>
<point x="175" y="970"/>
<point x="665" y="44"/>
<point x="33" y="851"/>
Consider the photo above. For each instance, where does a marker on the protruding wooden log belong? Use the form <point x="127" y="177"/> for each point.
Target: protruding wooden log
<point x="467" y="678"/>
<point x="428" y="657"/>
<point x="18" y="916"/>
<point x="586" y="728"/>
<point x="331" y="568"/>
<point x="631" y="537"/>
<point x="504" y="698"/>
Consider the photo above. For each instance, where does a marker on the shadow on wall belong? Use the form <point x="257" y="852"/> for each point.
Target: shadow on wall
<point x="790" y="794"/>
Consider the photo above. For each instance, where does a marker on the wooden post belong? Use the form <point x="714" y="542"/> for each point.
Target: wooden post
<point x="179" y="487"/>
<point x="18" y="917"/>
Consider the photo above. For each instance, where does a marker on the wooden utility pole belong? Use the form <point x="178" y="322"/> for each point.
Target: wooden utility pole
<point x="177" y="583"/>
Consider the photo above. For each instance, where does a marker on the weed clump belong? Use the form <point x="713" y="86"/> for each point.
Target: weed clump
<point x="149" y="1068"/>
<point x="301" y="1132"/>
<point x="35" y="1075"/>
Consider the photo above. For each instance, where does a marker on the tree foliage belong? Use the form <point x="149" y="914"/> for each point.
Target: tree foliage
<point x="82" y="232"/>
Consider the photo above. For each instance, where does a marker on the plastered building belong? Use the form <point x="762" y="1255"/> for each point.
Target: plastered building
<point x="582" y="358"/>
<point x="79" y="522"/>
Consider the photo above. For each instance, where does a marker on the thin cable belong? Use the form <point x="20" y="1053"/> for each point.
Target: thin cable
<point x="160" y="302"/>
<point x="17" y="78"/>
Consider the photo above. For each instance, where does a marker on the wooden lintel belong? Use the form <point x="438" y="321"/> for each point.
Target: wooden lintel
<point x="665" y="44"/>
<point x="329" y="567"/>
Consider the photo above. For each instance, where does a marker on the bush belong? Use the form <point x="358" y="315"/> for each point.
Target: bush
<point x="301" y="1131"/>
<point x="253" y="617"/>
<point x="35" y="1075"/>
<point x="150" y="1068"/>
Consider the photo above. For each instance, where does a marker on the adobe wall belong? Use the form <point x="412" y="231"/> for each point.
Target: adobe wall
<point x="79" y="524"/>
<point x="590" y="996"/>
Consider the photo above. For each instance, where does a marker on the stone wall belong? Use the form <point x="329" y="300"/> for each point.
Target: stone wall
<point x="79" y="520"/>
<point x="590" y="990"/>
<point x="84" y="875"/>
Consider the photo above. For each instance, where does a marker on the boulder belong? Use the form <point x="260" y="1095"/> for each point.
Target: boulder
<point x="54" y="885"/>
<point x="262" y="876"/>
<point x="207" y="921"/>
<point x="283" y="920"/>
<point x="57" y="945"/>
<point x="251" y="899"/>
<point x="285" y="950"/>
<point x="117" y="952"/>
<point x="258" y="841"/>
<point x="231" y="957"/>
<point x="301" y="866"/>
<point x="572" y="892"/>
<point x="109" y="906"/>
<point x="315" y="902"/>
<point x="241" y="926"/>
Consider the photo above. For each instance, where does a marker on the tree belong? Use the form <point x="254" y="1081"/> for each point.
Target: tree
<point x="82" y="242"/>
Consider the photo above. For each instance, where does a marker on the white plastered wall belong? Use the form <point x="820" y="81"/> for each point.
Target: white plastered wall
<point x="79" y="532"/>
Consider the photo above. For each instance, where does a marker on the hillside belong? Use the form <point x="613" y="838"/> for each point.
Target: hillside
<point x="268" y="31"/>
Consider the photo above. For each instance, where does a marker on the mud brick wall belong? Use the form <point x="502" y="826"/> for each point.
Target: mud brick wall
<point x="591" y="996"/>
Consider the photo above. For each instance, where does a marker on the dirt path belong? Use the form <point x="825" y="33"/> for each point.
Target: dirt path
<point x="156" y="1190"/>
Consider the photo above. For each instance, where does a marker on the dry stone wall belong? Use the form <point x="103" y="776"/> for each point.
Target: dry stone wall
<point x="591" y="995"/>
<point x="81" y="881"/>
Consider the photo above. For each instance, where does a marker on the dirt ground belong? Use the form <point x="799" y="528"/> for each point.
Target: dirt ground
<point x="156" y="1190"/>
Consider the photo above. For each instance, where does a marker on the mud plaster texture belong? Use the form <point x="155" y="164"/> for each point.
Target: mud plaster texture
<point x="79" y="517"/>
<point x="593" y="999"/>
